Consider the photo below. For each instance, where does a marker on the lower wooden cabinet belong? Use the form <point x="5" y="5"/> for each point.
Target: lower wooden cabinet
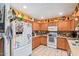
<point x="62" y="43"/>
<point x="43" y="40"/>
<point x="37" y="41"/>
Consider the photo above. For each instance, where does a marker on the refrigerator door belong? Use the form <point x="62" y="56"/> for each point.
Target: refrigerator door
<point x="24" y="41"/>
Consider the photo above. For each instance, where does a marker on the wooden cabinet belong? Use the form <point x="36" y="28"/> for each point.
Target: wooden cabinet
<point x="35" y="26"/>
<point x="72" y="25"/>
<point x="1" y="47"/>
<point x="62" y="43"/>
<point x="43" y="26"/>
<point x="63" y="26"/>
<point x="67" y="25"/>
<point x="35" y="42"/>
<point x="43" y="40"/>
<point x="54" y="23"/>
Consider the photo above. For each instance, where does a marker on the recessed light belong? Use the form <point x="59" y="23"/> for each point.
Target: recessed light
<point x="24" y="7"/>
<point x="76" y="19"/>
<point x="61" y="13"/>
<point x="42" y="17"/>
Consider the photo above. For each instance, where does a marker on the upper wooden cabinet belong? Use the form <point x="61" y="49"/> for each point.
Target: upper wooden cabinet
<point x="35" y="26"/>
<point x="44" y="26"/>
<point x="63" y="26"/>
<point x="54" y="23"/>
<point x="67" y="25"/>
<point x="72" y="25"/>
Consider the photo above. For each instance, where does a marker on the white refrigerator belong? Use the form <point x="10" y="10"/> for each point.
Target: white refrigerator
<point x="21" y="44"/>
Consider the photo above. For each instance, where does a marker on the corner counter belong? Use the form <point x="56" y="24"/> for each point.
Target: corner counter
<point x="62" y="43"/>
<point x="74" y="49"/>
<point x="39" y="40"/>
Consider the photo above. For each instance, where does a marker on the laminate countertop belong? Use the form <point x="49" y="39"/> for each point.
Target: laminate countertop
<point x="38" y="36"/>
<point x="74" y="49"/>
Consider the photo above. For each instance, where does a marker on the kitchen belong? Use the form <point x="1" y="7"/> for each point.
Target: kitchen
<point x="43" y="33"/>
<point x="59" y="33"/>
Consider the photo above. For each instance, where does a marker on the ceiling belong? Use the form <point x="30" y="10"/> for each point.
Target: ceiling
<point x="45" y="10"/>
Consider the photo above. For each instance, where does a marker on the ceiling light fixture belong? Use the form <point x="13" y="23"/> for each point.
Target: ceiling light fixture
<point x="24" y="7"/>
<point x="42" y="17"/>
<point x="61" y="13"/>
<point x="76" y="19"/>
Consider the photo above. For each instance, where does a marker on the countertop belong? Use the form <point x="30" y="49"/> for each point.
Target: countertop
<point x="61" y="36"/>
<point x="38" y="36"/>
<point x="74" y="49"/>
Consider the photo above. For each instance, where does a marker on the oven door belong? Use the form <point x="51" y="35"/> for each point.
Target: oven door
<point x="52" y="40"/>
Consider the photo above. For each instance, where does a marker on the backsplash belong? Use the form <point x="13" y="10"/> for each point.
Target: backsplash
<point x="39" y="33"/>
<point x="67" y="34"/>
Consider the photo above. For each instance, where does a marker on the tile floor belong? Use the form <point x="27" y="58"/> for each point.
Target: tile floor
<point x="46" y="51"/>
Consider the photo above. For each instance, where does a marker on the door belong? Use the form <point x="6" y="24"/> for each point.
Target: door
<point x="1" y="46"/>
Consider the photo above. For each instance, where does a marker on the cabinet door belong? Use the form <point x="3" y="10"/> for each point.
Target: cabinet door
<point x="72" y="25"/>
<point x="60" y="26"/>
<point x="44" y="26"/>
<point x="1" y="47"/>
<point x="61" y="43"/>
<point x="64" y="26"/>
<point x="38" y="41"/>
<point x="35" y="26"/>
<point x="35" y="42"/>
<point x="43" y="40"/>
